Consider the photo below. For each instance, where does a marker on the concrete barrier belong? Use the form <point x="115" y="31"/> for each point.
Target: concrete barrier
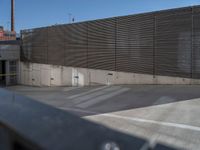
<point x="51" y="75"/>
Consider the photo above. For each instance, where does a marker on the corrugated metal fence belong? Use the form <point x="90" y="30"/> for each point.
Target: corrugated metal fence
<point x="159" y="43"/>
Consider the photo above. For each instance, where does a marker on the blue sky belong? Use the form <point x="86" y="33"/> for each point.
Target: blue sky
<point x="37" y="13"/>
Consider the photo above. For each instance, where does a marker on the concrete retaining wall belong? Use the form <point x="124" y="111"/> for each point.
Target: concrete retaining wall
<point x="51" y="75"/>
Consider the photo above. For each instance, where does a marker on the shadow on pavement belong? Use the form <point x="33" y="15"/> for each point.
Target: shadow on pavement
<point x="83" y="101"/>
<point x="30" y="125"/>
<point x="118" y="98"/>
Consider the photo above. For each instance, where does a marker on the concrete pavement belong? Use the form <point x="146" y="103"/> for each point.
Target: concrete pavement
<point x="167" y="114"/>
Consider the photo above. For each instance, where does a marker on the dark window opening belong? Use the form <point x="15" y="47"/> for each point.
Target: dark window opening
<point x="2" y="73"/>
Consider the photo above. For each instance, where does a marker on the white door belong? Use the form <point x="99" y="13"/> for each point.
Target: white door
<point x="36" y="78"/>
<point x="56" y="76"/>
<point x="75" y="77"/>
<point x="109" y="78"/>
<point x="45" y="77"/>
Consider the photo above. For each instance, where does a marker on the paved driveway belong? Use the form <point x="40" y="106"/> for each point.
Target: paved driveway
<point x="167" y="114"/>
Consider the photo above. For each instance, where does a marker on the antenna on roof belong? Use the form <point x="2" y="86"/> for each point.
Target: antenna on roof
<point x="70" y="16"/>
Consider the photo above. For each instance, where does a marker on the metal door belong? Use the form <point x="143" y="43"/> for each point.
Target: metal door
<point x="56" y="76"/>
<point x="36" y="78"/>
<point x="109" y="78"/>
<point x="75" y="77"/>
<point x="45" y="77"/>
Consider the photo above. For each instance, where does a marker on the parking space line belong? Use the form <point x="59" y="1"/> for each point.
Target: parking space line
<point x="102" y="98"/>
<point x="78" y="110"/>
<point x="167" y="124"/>
<point x="87" y="92"/>
<point x="94" y="95"/>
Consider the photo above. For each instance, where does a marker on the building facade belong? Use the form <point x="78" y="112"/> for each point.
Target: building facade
<point x="151" y="48"/>
<point x="9" y="62"/>
<point x="7" y="35"/>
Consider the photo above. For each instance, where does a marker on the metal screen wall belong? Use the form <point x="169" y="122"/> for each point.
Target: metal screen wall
<point x="196" y="43"/>
<point x="76" y="45"/>
<point x="173" y="47"/>
<point x="159" y="43"/>
<point x="134" y="46"/>
<point x="101" y="44"/>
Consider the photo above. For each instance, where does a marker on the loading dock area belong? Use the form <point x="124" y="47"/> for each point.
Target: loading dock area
<point x="168" y="114"/>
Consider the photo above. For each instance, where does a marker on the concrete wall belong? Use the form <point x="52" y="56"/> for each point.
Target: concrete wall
<point x="50" y="75"/>
<point x="45" y="75"/>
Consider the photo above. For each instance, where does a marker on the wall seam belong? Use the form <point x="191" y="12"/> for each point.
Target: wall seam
<point x="47" y="45"/>
<point x="154" y="47"/>
<point x="116" y="44"/>
<point x="87" y="45"/>
<point x="192" y="42"/>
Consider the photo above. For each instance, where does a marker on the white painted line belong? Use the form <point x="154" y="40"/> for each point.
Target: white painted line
<point x="94" y="95"/>
<point x="102" y="98"/>
<point x="168" y="124"/>
<point x="70" y="89"/>
<point x="176" y="125"/>
<point x="78" y="110"/>
<point x="88" y="92"/>
<point x="150" y="144"/>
